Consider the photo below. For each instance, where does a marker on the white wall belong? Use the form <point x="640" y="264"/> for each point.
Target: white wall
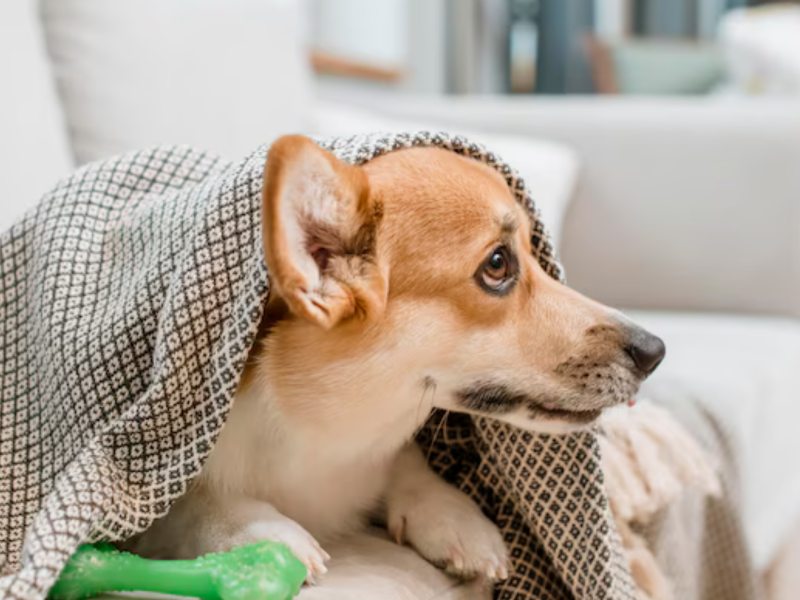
<point x="366" y="30"/>
<point x="405" y="34"/>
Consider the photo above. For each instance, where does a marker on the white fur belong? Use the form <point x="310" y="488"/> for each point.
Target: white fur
<point x="441" y="523"/>
<point x="314" y="480"/>
<point x="267" y="480"/>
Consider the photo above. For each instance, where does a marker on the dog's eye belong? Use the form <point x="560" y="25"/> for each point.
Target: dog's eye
<point x="498" y="272"/>
<point x="496" y="268"/>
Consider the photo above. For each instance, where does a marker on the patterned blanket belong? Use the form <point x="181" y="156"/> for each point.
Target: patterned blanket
<point x="129" y="299"/>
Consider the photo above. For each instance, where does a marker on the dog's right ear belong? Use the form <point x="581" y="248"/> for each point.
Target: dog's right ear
<point x="319" y="233"/>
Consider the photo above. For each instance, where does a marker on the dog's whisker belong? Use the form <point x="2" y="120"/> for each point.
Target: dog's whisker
<point x="422" y="425"/>
<point x="442" y="423"/>
<point x="436" y="435"/>
<point x="419" y="408"/>
<point x="428" y="385"/>
<point x="433" y="395"/>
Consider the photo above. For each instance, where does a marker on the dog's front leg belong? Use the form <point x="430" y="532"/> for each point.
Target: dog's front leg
<point x="440" y="522"/>
<point x="202" y="522"/>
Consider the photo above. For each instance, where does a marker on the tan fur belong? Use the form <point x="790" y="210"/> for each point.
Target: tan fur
<point x="376" y="318"/>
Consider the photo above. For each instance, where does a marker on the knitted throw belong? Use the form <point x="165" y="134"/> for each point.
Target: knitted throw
<point x="129" y="299"/>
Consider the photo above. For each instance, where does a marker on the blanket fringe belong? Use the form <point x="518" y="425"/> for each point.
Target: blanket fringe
<point x="648" y="460"/>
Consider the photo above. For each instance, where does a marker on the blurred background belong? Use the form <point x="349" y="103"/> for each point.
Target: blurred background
<point x="559" y="46"/>
<point x="659" y="138"/>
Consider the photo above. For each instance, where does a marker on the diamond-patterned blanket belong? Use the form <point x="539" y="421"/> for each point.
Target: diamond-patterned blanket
<point x="129" y="299"/>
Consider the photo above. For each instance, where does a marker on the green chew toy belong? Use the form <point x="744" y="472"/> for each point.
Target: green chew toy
<point x="263" y="571"/>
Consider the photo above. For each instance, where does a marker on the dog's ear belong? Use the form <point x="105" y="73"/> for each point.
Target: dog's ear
<point x="319" y="232"/>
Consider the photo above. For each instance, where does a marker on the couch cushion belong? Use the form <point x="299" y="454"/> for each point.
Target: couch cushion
<point x="744" y="370"/>
<point x="33" y="144"/>
<point x="221" y="75"/>
<point x="369" y="567"/>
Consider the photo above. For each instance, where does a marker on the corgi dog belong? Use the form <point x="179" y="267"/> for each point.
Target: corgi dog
<point x="399" y="286"/>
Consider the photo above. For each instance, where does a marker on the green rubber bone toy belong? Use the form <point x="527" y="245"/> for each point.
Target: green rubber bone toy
<point x="262" y="571"/>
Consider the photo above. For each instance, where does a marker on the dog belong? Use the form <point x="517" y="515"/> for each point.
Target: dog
<point x="399" y="286"/>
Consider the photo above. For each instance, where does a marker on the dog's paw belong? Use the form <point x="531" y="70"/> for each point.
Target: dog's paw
<point x="300" y="542"/>
<point x="450" y="531"/>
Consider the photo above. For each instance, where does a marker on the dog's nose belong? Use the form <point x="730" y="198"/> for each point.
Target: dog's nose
<point x="646" y="350"/>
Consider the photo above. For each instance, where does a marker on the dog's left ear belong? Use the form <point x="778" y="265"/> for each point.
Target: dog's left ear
<point x="319" y="232"/>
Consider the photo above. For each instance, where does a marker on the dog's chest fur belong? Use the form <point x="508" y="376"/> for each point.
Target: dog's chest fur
<point x="316" y="480"/>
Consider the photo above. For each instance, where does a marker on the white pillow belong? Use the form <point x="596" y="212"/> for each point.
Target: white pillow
<point x="221" y="75"/>
<point x="762" y="49"/>
<point x="34" y="152"/>
<point x="550" y="169"/>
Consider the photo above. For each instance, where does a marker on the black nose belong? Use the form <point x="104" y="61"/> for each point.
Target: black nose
<point x="646" y="350"/>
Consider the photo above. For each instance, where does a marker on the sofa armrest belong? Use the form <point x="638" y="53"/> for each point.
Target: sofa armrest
<point x="682" y="204"/>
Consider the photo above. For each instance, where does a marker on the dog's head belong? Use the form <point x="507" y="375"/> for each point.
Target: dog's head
<point x="409" y="282"/>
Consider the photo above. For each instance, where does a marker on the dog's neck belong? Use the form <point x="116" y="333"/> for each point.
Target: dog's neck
<point x="328" y="405"/>
<point x="340" y="423"/>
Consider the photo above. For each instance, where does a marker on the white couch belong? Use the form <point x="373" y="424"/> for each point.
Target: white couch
<point x="685" y="210"/>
